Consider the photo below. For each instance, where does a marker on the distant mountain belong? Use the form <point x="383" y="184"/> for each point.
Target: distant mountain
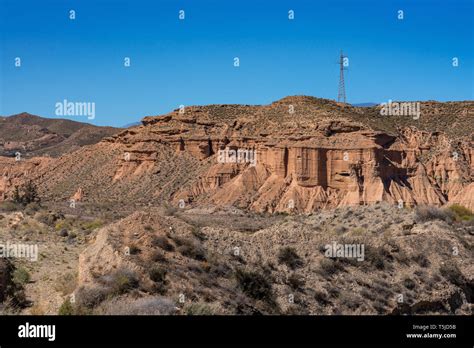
<point x="133" y="124"/>
<point x="32" y="135"/>
<point x="365" y="105"/>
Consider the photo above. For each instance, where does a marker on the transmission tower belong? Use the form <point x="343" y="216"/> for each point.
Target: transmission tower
<point x="341" y="95"/>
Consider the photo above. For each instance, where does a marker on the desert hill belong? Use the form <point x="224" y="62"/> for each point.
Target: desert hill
<point x="162" y="223"/>
<point x="310" y="153"/>
<point x="226" y="261"/>
<point x="37" y="136"/>
<point x="282" y="268"/>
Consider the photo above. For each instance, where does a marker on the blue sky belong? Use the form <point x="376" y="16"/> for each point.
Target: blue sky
<point x="190" y="61"/>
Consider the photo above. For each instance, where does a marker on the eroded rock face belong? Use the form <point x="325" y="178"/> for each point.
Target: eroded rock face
<point x="306" y="162"/>
<point x="14" y="172"/>
<point x="298" y="154"/>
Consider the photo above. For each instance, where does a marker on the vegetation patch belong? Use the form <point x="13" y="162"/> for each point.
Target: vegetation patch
<point x="191" y="249"/>
<point x="121" y="281"/>
<point x="162" y="242"/>
<point x="329" y="267"/>
<point x="461" y="213"/>
<point x="26" y="194"/>
<point x="430" y="213"/>
<point x="289" y="257"/>
<point x="254" y="285"/>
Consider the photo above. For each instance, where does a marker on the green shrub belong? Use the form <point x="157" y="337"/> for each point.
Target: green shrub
<point x="66" y="308"/>
<point x="21" y="276"/>
<point x="198" y="309"/>
<point x="63" y="224"/>
<point x="92" y="225"/>
<point x="461" y="213"/>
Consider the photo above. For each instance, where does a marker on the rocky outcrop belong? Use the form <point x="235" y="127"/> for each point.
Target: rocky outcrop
<point x="309" y="163"/>
<point x="14" y="172"/>
<point x="78" y="196"/>
<point x="298" y="154"/>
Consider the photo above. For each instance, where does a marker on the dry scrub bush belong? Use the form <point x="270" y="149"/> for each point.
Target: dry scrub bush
<point x="289" y="257"/>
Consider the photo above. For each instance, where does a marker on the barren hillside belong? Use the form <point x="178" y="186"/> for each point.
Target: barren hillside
<point x="37" y="136"/>
<point x="309" y="154"/>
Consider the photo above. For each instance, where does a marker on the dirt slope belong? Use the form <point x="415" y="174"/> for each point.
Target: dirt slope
<point x="33" y="135"/>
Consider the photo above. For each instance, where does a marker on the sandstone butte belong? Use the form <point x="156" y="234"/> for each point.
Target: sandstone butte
<point x="311" y="154"/>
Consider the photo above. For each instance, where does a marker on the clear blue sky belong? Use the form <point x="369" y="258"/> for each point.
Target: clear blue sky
<point x="190" y="62"/>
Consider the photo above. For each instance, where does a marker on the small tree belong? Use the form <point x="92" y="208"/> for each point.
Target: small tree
<point x="27" y="194"/>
